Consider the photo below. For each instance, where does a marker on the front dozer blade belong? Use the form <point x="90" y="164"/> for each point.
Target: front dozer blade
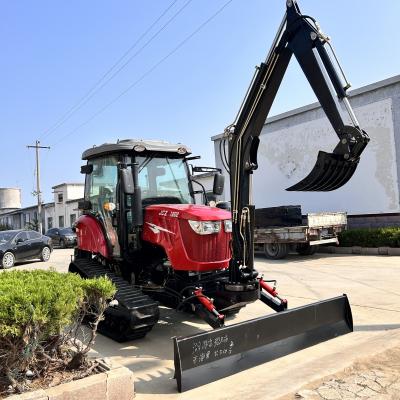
<point x="209" y="356"/>
<point x="330" y="172"/>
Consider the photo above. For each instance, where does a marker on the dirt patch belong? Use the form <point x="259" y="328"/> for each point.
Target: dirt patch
<point x="376" y="377"/>
<point x="53" y="377"/>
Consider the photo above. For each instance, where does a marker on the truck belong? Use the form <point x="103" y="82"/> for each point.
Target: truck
<point x="279" y="230"/>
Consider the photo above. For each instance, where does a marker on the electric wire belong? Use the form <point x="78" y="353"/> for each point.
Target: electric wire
<point x="145" y="74"/>
<point x="95" y="88"/>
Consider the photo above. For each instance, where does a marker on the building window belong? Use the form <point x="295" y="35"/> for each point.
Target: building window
<point x="61" y="221"/>
<point x="72" y="219"/>
<point x="27" y="218"/>
<point x="60" y="197"/>
<point x="49" y="222"/>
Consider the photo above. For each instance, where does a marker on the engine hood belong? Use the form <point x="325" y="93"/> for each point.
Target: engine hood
<point x="167" y="226"/>
<point x="189" y="211"/>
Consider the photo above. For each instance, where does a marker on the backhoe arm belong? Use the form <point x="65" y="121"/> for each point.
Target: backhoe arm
<point x="298" y="35"/>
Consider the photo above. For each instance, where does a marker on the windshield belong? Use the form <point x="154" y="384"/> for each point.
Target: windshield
<point x="6" y="236"/>
<point x="67" y="231"/>
<point x="164" y="179"/>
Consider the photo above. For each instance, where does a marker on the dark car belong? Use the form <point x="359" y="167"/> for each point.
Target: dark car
<point x="22" y="245"/>
<point x="63" y="237"/>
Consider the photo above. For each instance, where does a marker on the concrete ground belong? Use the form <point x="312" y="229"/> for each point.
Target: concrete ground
<point x="371" y="282"/>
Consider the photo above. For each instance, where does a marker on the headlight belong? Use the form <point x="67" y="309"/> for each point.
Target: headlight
<point x="228" y="225"/>
<point x="205" y="227"/>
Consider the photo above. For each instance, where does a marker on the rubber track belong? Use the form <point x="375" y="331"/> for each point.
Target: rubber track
<point x="135" y="314"/>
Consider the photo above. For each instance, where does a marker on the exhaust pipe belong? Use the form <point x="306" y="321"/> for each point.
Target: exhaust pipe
<point x="206" y="357"/>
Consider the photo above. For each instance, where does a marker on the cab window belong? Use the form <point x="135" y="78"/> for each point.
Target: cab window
<point x="102" y="182"/>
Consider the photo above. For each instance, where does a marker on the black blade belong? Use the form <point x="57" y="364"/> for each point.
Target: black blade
<point x="331" y="171"/>
<point x="209" y="356"/>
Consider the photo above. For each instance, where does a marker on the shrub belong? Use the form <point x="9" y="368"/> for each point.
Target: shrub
<point x="371" y="237"/>
<point x="5" y="227"/>
<point x="40" y="312"/>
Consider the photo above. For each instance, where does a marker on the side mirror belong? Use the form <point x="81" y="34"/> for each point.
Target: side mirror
<point x="127" y="181"/>
<point x="218" y="186"/>
<point x="87" y="169"/>
<point x="19" y="240"/>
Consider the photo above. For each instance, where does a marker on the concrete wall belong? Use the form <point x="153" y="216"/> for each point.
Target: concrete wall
<point x="290" y="143"/>
<point x="49" y="216"/>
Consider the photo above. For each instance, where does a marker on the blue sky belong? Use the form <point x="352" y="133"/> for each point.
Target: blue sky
<point x="54" y="52"/>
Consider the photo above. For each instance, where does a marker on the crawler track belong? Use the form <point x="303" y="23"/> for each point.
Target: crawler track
<point x="135" y="314"/>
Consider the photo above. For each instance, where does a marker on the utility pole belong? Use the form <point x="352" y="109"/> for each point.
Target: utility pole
<point x="38" y="192"/>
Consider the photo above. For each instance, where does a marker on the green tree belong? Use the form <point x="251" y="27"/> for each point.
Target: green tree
<point x="32" y="225"/>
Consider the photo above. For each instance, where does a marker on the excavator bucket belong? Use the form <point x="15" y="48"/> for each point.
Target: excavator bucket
<point x="209" y="356"/>
<point x="330" y="172"/>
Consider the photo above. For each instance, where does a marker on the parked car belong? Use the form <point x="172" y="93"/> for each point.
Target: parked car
<point x="20" y="245"/>
<point x="63" y="237"/>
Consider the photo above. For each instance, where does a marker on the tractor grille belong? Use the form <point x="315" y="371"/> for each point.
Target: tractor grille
<point x="205" y="248"/>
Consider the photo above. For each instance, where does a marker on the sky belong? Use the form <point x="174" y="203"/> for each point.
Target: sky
<point x="78" y="73"/>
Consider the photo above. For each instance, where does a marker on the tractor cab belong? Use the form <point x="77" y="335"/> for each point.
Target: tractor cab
<point x="123" y="180"/>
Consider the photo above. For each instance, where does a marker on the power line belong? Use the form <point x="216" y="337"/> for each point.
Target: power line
<point x="148" y="72"/>
<point x="94" y="89"/>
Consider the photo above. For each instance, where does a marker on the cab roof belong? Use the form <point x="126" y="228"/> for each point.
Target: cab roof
<point x="136" y="145"/>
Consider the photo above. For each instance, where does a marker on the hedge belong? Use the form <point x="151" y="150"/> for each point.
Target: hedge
<point x="40" y="312"/>
<point x="370" y="237"/>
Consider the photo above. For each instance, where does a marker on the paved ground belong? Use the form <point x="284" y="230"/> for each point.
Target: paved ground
<point x="375" y="378"/>
<point x="371" y="282"/>
<point x="59" y="260"/>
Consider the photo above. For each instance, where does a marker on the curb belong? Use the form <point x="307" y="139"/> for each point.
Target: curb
<point x="365" y="251"/>
<point x="115" y="383"/>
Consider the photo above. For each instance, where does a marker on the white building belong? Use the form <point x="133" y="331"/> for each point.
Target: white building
<point x="66" y="197"/>
<point x="289" y="144"/>
<point x="61" y="213"/>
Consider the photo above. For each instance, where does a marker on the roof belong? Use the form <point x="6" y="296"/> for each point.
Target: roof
<point x="68" y="184"/>
<point x="356" y="92"/>
<point x="130" y="144"/>
<point x="24" y="209"/>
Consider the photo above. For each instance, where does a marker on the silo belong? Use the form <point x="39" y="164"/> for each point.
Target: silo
<point x="10" y="199"/>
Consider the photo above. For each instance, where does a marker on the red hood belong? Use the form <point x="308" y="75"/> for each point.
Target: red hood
<point x="190" y="211"/>
<point x="166" y="225"/>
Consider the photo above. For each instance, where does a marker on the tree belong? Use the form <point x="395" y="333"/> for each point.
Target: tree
<point x="5" y="227"/>
<point x="33" y="225"/>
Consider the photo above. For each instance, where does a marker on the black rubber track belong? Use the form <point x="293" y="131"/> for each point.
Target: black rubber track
<point x="135" y="314"/>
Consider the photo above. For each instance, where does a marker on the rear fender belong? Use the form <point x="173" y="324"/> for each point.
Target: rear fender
<point x="91" y="237"/>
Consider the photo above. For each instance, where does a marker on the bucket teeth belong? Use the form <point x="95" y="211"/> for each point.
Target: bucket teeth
<point x="330" y="172"/>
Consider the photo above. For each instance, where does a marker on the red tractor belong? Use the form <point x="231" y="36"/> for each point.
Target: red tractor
<point x="141" y="227"/>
